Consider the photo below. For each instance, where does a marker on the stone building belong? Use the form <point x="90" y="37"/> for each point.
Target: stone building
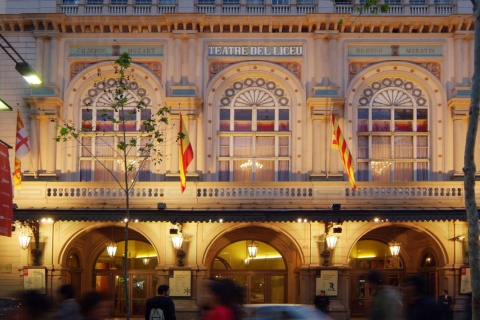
<point x="258" y="82"/>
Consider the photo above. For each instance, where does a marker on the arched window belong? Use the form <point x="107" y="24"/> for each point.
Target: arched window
<point x="393" y="132"/>
<point x="100" y="134"/>
<point x="254" y="132"/>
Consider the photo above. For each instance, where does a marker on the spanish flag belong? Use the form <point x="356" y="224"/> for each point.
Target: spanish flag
<point x="186" y="153"/>
<point x="340" y="144"/>
<point x="22" y="148"/>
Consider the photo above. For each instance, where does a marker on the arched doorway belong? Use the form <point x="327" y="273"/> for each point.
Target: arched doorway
<point x="108" y="272"/>
<point x="263" y="274"/>
<point x="260" y="275"/>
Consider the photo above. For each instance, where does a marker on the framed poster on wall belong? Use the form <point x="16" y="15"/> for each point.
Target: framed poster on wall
<point x="327" y="281"/>
<point x="465" y="281"/>
<point x="35" y="278"/>
<point x="181" y="283"/>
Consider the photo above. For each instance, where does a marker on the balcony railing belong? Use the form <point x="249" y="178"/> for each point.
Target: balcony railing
<point x="167" y="9"/>
<point x="96" y="9"/>
<point x="445" y="194"/>
<point x="253" y="10"/>
<point x="117" y="9"/>
<point x="207" y="9"/>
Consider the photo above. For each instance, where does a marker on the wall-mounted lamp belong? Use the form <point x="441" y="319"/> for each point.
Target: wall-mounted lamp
<point x="331" y="241"/>
<point x="177" y="242"/>
<point x="25" y="231"/>
<point x="4" y="106"/>
<point x="252" y="248"/>
<point x="21" y="65"/>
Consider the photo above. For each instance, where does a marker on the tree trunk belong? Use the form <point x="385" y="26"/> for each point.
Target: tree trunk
<point x="469" y="170"/>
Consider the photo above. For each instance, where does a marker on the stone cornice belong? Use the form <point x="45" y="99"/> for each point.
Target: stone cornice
<point x="202" y="23"/>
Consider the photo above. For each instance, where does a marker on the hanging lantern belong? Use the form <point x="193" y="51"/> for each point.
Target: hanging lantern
<point x="331" y="241"/>
<point x="177" y="241"/>
<point x="252" y="249"/>
<point x="112" y="249"/>
<point x="146" y="261"/>
<point x="394" y="248"/>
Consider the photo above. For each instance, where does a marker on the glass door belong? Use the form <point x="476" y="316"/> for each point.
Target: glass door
<point x="142" y="287"/>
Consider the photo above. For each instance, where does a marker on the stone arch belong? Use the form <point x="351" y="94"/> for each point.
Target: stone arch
<point x="76" y="237"/>
<point x="432" y="88"/>
<point x="284" y="78"/>
<point x="282" y="242"/>
<point x="373" y="231"/>
<point x="87" y="79"/>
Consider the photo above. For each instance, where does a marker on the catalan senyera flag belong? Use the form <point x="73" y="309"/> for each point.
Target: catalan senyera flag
<point x="186" y="154"/>
<point x="22" y="148"/>
<point x="338" y="142"/>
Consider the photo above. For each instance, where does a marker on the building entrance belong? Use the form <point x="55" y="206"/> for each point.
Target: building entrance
<point x="262" y="273"/>
<point x="109" y="277"/>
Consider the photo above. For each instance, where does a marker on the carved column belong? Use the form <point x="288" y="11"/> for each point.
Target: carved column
<point x="189" y="107"/>
<point x="44" y="111"/>
<point x="458" y="59"/>
<point x="321" y="58"/>
<point x="321" y="109"/>
<point x="192" y="55"/>
<point x="459" y="111"/>
<point x="333" y="61"/>
<point x="177" y="59"/>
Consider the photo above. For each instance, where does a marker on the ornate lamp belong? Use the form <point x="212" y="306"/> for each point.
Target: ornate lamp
<point x="394" y="248"/>
<point x="331" y="241"/>
<point x="252" y="249"/>
<point x="111" y="249"/>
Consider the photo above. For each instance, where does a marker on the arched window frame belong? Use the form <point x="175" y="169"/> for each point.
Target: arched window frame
<point x="392" y="146"/>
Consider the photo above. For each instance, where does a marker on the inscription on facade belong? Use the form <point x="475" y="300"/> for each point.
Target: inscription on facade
<point x="115" y="50"/>
<point x="292" y="51"/>
<point x="395" y="50"/>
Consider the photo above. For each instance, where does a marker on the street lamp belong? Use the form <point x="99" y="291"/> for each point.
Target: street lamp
<point x="21" y="65"/>
<point x="4" y="106"/>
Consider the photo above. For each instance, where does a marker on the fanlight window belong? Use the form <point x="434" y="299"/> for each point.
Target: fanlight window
<point x="393" y="132"/>
<point x="254" y="132"/>
<point x="100" y="131"/>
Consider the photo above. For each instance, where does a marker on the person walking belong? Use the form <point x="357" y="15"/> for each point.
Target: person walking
<point x="445" y="303"/>
<point x="387" y="302"/>
<point x="322" y="302"/>
<point x="67" y="308"/>
<point x="162" y="302"/>
<point x="419" y="305"/>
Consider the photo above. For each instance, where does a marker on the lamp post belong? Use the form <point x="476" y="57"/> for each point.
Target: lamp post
<point x="22" y="66"/>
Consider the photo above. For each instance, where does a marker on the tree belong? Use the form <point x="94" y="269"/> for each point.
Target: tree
<point x="134" y="147"/>
<point x="469" y="170"/>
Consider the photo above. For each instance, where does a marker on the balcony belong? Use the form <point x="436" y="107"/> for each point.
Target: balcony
<point x="409" y="10"/>
<point x="214" y="195"/>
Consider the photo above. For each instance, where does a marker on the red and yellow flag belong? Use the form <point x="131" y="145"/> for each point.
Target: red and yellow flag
<point x="22" y="148"/>
<point x="340" y="144"/>
<point x="186" y="154"/>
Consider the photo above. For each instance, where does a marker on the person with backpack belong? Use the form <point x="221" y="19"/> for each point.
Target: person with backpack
<point x="160" y="307"/>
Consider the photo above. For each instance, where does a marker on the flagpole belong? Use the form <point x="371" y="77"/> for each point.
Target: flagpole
<point x="8" y="146"/>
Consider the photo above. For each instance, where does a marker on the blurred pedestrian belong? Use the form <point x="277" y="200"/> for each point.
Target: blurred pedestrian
<point x="419" y="305"/>
<point x="387" y="302"/>
<point x="94" y="305"/>
<point x="322" y="302"/>
<point x="35" y="306"/>
<point x="67" y="308"/>
<point x="218" y="301"/>
<point x="161" y="304"/>
<point x="445" y="303"/>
